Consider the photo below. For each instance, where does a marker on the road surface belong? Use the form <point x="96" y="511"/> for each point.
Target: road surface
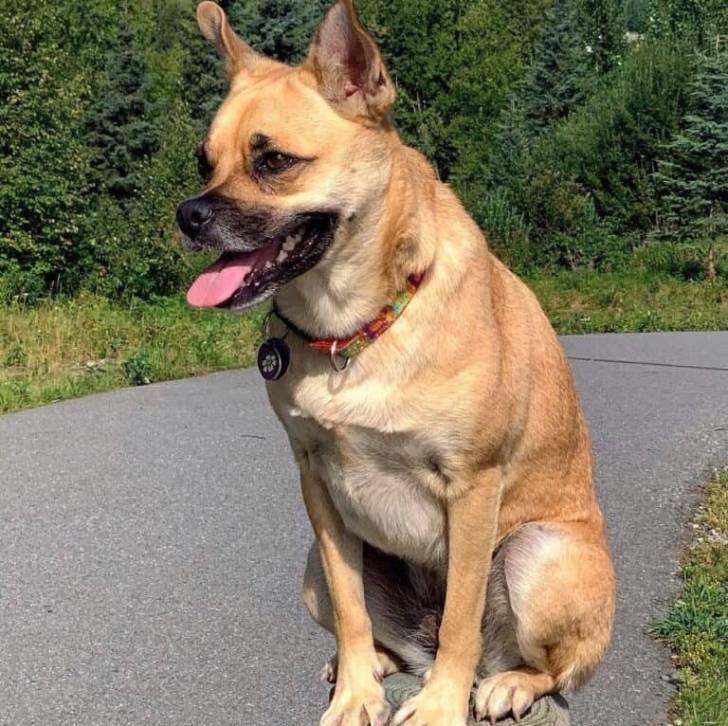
<point x="152" y="543"/>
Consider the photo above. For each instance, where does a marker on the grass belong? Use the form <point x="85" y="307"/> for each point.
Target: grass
<point x="67" y="348"/>
<point x="636" y="302"/>
<point x="696" y="627"/>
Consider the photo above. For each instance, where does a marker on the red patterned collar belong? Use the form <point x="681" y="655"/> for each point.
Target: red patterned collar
<point x="343" y="349"/>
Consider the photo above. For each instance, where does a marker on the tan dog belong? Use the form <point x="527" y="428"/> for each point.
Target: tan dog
<point x="447" y="470"/>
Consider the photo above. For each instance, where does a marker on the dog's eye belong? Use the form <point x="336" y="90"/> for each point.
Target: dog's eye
<point x="275" y="161"/>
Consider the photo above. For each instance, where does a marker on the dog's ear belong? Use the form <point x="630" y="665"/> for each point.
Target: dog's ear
<point x="348" y="66"/>
<point x="237" y="54"/>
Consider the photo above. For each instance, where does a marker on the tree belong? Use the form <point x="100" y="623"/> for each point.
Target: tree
<point x="44" y="83"/>
<point x="558" y="82"/>
<point x="202" y="74"/>
<point x="693" y="175"/>
<point x="281" y="29"/>
<point x="122" y="127"/>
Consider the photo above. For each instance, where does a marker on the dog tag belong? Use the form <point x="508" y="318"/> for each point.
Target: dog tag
<point x="274" y="356"/>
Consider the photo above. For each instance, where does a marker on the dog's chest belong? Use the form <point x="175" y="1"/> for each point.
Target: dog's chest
<point x="383" y="484"/>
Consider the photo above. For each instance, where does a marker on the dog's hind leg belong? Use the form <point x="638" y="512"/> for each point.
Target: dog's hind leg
<point x="404" y="605"/>
<point x="548" y="619"/>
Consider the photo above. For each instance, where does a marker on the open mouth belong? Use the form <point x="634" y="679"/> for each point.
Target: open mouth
<point x="239" y="280"/>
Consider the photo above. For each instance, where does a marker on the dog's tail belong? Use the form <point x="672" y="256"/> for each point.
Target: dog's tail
<point x="405" y="604"/>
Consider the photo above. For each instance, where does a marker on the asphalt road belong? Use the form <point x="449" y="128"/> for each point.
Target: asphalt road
<point x="152" y="544"/>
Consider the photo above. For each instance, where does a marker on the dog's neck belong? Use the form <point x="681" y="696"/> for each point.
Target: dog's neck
<point x="385" y="244"/>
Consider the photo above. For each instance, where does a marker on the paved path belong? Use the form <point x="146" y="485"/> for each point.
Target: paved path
<point x="152" y="544"/>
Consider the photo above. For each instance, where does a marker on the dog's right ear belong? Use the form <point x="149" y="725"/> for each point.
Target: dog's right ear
<point x="237" y="54"/>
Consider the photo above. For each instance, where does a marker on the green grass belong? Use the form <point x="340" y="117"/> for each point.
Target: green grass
<point x="67" y="348"/>
<point x="590" y="302"/>
<point x="696" y="627"/>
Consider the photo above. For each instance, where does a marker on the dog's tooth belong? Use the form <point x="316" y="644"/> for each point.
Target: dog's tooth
<point x="289" y="244"/>
<point x="282" y="255"/>
<point x="268" y="265"/>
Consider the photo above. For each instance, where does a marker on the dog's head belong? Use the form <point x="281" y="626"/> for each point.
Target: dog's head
<point x="294" y="157"/>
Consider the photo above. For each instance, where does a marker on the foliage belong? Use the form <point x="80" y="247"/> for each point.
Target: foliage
<point x="546" y="124"/>
<point x="135" y="250"/>
<point x="603" y="26"/>
<point x="454" y="62"/>
<point x="558" y="80"/>
<point x="584" y="185"/>
<point x="637" y="15"/>
<point x="686" y="261"/>
<point x="693" y="175"/>
<point x="281" y="29"/>
<point x="44" y="164"/>
<point x="122" y="124"/>
<point x="699" y="19"/>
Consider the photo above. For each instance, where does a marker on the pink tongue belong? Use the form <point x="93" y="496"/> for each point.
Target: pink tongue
<point x="219" y="282"/>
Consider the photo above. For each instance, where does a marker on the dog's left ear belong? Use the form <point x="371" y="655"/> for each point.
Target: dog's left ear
<point x="348" y="66"/>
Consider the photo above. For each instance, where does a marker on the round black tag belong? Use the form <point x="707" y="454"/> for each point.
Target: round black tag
<point x="274" y="357"/>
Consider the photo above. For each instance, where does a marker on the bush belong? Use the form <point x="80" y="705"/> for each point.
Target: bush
<point x="505" y="227"/>
<point x="45" y="80"/>
<point x="20" y="286"/>
<point x="584" y="186"/>
<point x="688" y="261"/>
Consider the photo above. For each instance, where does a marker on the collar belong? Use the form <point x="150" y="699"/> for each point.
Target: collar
<point x="350" y="346"/>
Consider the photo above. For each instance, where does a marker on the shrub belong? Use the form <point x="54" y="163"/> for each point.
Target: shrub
<point x="584" y="186"/>
<point x="505" y="227"/>
<point x="20" y="286"/>
<point x="688" y="261"/>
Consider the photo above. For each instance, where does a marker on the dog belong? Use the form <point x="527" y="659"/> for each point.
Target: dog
<point x="445" y="463"/>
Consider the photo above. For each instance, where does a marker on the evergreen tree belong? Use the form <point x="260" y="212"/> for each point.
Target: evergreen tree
<point x="203" y="81"/>
<point x="559" y="79"/>
<point x="122" y="127"/>
<point x="693" y="178"/>
<point x="280" y="29"/>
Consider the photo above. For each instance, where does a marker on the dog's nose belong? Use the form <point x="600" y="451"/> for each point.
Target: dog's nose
<point x="193" y="215"/>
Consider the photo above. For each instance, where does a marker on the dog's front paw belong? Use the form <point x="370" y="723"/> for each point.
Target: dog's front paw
<point x="503" y="694"/>
<point x="434" y="705"/>
<point x="360" y="707"/>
